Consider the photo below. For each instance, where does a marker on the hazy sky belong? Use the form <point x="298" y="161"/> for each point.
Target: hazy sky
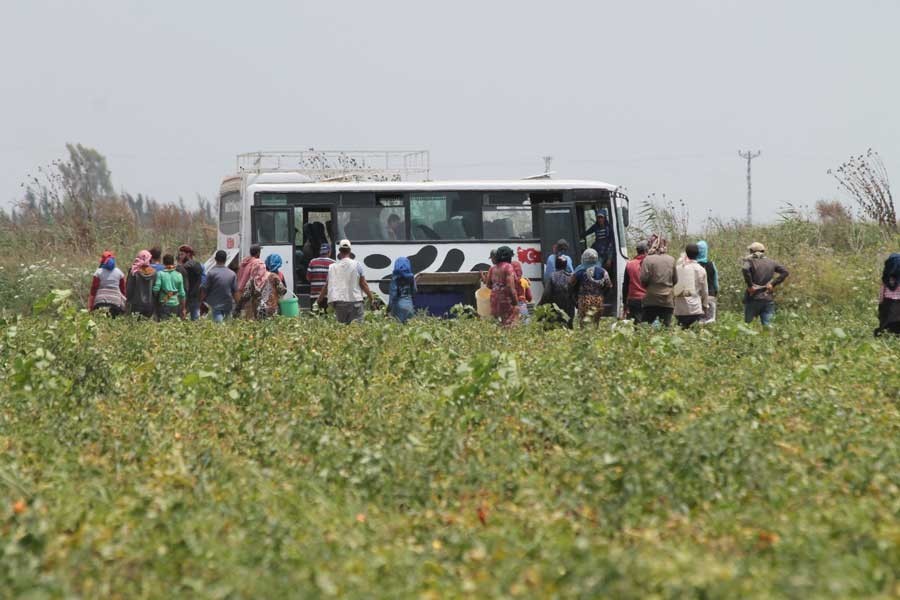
<point x="657" y="96"/>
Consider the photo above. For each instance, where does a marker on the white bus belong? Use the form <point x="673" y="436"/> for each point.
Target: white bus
<point x="446" y="228"/>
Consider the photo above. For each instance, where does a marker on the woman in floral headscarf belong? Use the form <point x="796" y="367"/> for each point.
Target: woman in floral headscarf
<point x="591" y="282"/>
<point x="263" y="290"/>
<point x="139" y="288"/>
<point x="108" y="287"/>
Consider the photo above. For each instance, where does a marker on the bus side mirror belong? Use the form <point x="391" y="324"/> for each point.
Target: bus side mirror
<point x="625" y="216"/>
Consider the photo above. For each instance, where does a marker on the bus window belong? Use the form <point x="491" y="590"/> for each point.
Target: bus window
<point x="508" y="223"/>
<point x="384" y="222"/>
<point x="272" y="227"/>
<point x="444" y="215"/>
<point x="230" y="213"/>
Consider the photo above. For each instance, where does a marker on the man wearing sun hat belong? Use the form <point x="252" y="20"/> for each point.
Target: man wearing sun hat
<point x="761" y="274"/>
<point x="345" y="286"/>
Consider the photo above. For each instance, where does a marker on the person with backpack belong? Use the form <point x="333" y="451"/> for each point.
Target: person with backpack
<point x="169" y="290"/>
<point x="590" y="282"/>
<point x="560" y="250"/>
<point x="762" y="275"/>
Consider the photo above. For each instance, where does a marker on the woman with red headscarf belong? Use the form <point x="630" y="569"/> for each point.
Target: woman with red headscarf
<point x="108" y="287"/>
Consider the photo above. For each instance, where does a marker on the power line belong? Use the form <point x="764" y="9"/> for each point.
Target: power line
<point x="749" y="156"/>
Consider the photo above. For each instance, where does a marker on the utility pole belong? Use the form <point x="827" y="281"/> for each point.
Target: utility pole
<point x="548" y="160"/>
<point x="749" y="156"/>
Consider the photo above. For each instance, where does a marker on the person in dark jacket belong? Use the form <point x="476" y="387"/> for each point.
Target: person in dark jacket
<point x="762" y="275"/>
<point x="558" y="291"/>
<point x="603" y="239"/>
<point x="193" y="275"/>
<point x="889" y="297"/>
<point x="139" y="298"/>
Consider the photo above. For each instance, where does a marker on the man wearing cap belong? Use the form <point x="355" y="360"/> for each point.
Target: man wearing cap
<point x="345" y="286"/>
<point x="560" y="250"/>
<point x="317" y="271"/>
<point x="603" y="238"/>
<point x="193" y="275"/>
<point x="761" y="275"/>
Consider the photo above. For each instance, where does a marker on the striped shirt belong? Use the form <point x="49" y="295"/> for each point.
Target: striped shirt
<point x="317" y="274"/>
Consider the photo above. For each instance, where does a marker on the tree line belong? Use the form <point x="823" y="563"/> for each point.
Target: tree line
<point x="71" y="203"/>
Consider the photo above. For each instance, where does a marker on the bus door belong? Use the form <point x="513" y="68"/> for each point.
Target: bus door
<point x="313" y="226"/>
<point x="559" y="221"/>
<point x="272" y="229"/>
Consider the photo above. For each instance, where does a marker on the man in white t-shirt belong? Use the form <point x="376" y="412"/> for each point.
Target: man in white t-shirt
<point x="345" y="287"/>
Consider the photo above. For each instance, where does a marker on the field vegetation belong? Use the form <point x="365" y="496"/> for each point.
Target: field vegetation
<point x="452" y="458"/>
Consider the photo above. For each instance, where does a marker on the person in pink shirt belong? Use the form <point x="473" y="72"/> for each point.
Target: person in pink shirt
<point x="633" y="291"/>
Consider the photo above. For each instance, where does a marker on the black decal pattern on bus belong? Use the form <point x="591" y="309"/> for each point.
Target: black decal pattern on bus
<point x="423" y="259"/>
<point x="452" y="262"/>
<point x="419" y="261"/>
<point x="481" y="267"/>
<point x="377" y="261"/>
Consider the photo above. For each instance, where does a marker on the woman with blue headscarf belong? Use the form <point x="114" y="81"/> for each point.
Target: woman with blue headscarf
<point x="402" y="290"/>
<point x="889" y="297"/>
<point x="712" y="280"/>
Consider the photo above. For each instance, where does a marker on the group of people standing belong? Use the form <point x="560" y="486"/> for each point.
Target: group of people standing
<point x="658" y="287"/>
<point x="160" y="289"/>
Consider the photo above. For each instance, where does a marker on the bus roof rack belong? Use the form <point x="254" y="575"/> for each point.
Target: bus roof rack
<point x="342" y="165"/>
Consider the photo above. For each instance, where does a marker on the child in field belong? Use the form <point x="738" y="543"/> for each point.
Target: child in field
<point x="523" y="291"/>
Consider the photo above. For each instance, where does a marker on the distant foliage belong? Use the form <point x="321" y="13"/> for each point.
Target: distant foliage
<point x="865" y="178"/>
<point x="659" y="214"/>
<point x="832" y="211"/>
<point x="70" y="206"/>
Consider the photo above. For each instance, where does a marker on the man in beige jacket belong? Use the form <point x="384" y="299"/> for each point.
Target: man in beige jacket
<point x="691" y="293"/>
<point x="658" y="277"/>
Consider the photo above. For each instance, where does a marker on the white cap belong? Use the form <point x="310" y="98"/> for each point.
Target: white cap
<point x="344" y="244"/>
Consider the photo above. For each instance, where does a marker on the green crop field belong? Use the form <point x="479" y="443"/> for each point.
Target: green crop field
<point x="299" y="458"/>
